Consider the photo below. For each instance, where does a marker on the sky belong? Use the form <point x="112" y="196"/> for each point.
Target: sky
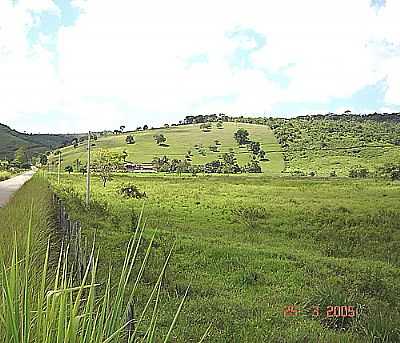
<point x="74" y="66"/>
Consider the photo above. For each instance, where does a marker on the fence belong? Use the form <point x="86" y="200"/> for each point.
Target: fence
<point x="71" y="233"/>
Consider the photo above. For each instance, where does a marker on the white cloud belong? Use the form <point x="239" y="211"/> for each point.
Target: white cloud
<point x="128" y="60"/>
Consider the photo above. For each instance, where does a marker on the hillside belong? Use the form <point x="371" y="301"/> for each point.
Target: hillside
<point x="11" y="140"/>
<point x="181" y="139"/>
<point x="335" y="144"/>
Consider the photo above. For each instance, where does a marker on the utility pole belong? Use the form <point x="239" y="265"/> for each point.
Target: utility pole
<point x="88" y="172"/>
<point x="59" y="167"/>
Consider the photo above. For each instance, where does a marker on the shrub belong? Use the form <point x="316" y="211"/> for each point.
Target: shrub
<point x="132" y="191"/>
<point x="358" y="172"/>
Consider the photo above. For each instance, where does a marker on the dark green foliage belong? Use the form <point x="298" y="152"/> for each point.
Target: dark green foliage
<point x="254" y="147"/>
<point x="132" y="191"/>
<point x="130" y="139"/>
<point x="160" y="139"/>
<point x="241" y="136"/>
<point x="43" y="159"/>
<point x="389" y="170"/>
<point x="358" y="172"/>
<point x="206" y="127"/>
<point x="69" y="169"/>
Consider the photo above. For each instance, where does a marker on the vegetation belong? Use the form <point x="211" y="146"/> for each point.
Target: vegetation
<point x="40" y="299"/>
<point x="5" y="175"/>
<point x="254" y="245"/>
<point x="11" y="140"/>
<point x="184" y="138"/>
<point x="105" y="163"/>
<point x="337" y="143"/>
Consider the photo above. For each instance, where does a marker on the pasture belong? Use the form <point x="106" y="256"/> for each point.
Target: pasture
<point x="249" y="246"/>
<point x="180" y="140"/>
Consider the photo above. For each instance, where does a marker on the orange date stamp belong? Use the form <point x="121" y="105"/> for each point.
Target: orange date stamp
<point x="332" y="311"/>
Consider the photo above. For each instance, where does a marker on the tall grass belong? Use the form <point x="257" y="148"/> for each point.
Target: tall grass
<point x="4" y="175"/>
<point x="39" y="304"/>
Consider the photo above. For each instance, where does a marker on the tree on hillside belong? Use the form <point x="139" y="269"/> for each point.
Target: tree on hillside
<point x="124" y="155"/>
<point x="105" y="163"/>
<point x="69" y="169"/>
<point x="160" y="139"/>
<point x="255" y="147"/>
<point x="43" y="159"/>
<point x="205" y="127"/>
<point x="145" y="127"/>
<point x="21" y="156"/>
<point x="220" y="125"/>
<point x="130" y="139"/>
<point x="74" y="141"/>
<point x="241" y="136"/>
<point x="122" y="128"/>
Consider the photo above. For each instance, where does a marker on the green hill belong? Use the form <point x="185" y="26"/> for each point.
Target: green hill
<point x="181" y="139"/>
<point x="11" y="140"/>
<point x="337" y="143"/>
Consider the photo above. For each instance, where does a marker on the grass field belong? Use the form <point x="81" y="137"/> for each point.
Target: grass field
<point x="180" y="139"/>
<point x="249" y="246"/>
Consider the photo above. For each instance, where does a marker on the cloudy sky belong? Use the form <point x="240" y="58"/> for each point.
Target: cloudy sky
<point x="76" y="65"/>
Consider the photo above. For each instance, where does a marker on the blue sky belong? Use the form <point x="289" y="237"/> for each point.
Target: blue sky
<point x="79" y="65"/>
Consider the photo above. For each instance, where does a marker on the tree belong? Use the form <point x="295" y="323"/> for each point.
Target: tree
<point x="230" y="163"/>
<point x="69" y="169"/>
<point x="130" y="139"/>
<point x="20" y="156"/>
<point x="241" y="136"/>
<point x="124" y="155"/>
<point x="122" y="128"/>
<point x="43" y="159"/>
<point x="205" y="127"/>
<point x="160" y="139"/>
<point x="220" y="125"/>
<point x="74" y="141"/>
<point x="78" y="164"/>
<point x="255" y="147"/>
<point x="145" y="127"/>
<point x="263" y="155"/>
<point x="105" y="163"/>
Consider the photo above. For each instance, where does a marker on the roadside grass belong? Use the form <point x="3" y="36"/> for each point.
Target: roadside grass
<point x="41" y="302"/>
<point x="35" y="195"/>
<point x="250" y="246"/>
<point x="5" y="175"/>
<point x="180" y="139"/>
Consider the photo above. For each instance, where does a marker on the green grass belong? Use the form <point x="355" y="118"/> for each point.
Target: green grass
<point x="14" y="219"/>
<point x="40" y="301"/>
<point x="5" y="175"/>
<point x="180" y="139"/>
<point x="249" y="246"/>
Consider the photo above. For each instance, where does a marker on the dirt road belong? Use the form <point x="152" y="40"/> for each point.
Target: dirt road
<point x="8" y="187"/>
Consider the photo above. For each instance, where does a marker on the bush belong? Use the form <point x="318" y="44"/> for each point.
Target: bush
<point x="389" y="170"/>
<point x="358" y="172"/>
<point x="132" y="191"/>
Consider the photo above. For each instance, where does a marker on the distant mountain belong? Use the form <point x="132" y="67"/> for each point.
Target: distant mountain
<point x="11" y="140"/>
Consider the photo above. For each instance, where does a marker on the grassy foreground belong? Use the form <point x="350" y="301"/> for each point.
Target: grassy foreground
<point x="250" y="246"/>
<point x="41" y="301"/>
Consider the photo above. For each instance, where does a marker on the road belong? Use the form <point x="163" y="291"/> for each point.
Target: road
<point x="8" y="187"/>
